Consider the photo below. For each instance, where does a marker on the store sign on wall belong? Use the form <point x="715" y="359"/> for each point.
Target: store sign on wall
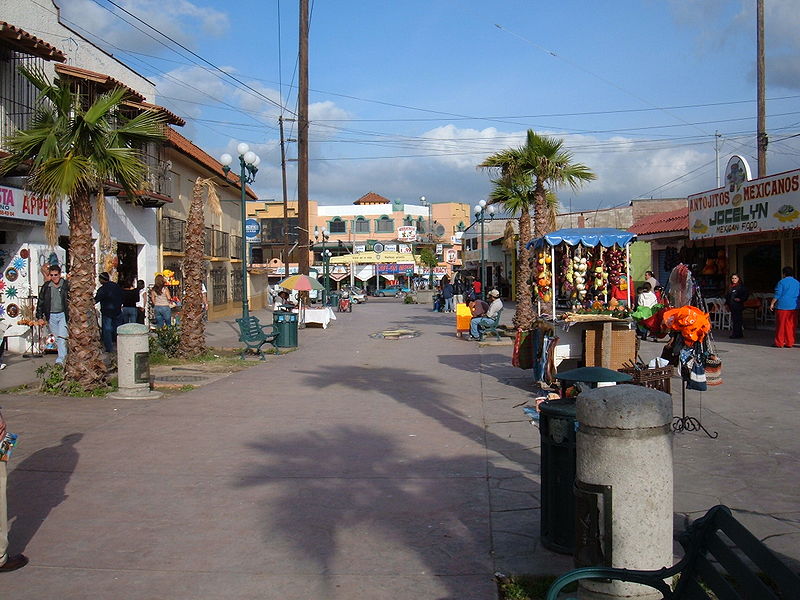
<point x="18" y="204"/>
<point x="767" y="204"/>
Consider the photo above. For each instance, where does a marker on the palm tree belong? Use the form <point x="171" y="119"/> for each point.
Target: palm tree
<point x="514" y="193"/>
<point x="73" y="151"/>
<point x="193" y="333"/>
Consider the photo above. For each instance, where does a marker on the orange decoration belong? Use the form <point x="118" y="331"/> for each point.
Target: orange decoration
<point x="692" y="322"/>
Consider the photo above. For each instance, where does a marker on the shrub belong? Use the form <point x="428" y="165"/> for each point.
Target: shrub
<point x="166" y="341"/>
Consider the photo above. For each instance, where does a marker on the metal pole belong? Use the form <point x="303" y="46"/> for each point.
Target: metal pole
<point x="430" y="238"/>
<point x="243" y="184"/>
<point x="302" y="134"/>
<point x="325" y="263"/>
<point x="285" y="205"/>
<point x="483" y="264"/>
<point x="761" y="87"/>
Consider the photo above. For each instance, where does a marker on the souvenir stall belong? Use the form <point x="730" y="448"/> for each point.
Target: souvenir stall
<point x="580" y="279"/>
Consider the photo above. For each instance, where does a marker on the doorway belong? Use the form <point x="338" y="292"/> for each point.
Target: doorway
<point x="128" y="263"/>
<point x="760" y="266"/>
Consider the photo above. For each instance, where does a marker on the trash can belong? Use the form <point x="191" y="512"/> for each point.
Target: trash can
<point x="557" y="429"/>
<point x="333" y="299"/>
<point x="286" y="328"/>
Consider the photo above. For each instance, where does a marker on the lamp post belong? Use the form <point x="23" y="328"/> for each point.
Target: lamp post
<point x="248" y="161"/>
<point x="324" y="235"/>
<point x="424" y="202"/>
<point x="480" y="214"/>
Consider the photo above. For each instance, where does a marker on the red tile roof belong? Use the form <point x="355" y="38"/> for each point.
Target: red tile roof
<point x="30" y="44"/>
<point x="172" y="118"/>
<point x="105" y="80"/>
<point x="183" y="145"/>
<point x="674" y="220"/>
<point x="372" y="198"/>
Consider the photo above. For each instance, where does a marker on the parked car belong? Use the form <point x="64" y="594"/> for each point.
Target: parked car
<point x="357" y="295"/>
<point x="394" y="290"/>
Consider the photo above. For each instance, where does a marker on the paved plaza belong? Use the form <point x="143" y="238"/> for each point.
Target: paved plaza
<point x="354" y="467"/>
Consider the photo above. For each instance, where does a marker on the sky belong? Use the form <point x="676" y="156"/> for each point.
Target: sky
<point x="408" y="97"/>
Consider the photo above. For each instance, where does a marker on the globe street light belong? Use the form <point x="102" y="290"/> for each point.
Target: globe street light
<point x="248" y="162"/>
<point x="424" y="202"/>
<point x="481" y="211"/>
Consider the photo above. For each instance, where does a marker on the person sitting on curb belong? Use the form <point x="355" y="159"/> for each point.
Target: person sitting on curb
<point x="488" y="318"/>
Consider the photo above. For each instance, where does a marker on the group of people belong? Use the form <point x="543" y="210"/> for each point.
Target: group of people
<point x="118" y="305"/>
<point x="483" y="313"/>
<point x="459" y="291"/>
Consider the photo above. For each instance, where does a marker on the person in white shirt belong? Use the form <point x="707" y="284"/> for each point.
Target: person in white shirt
<point x="647" y="297"/>
<point x="650" y="278"/>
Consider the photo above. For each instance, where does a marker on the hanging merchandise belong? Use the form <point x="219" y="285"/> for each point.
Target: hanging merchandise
<point x="568" y="270"/>
<point x="544" y="276"/>
<point x="615" y="264"/>
<point x="692" y="323"/>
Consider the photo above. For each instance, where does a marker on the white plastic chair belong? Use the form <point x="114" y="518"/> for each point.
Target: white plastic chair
<point x="714" y="312"/>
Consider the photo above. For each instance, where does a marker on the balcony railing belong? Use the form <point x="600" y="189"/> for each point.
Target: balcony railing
<point x="17" y="94"/>
<point x="220" y="248"/>
<point x="219" y="286"/>
<point x="173" y="232"/>
<point x="236" y="246"/>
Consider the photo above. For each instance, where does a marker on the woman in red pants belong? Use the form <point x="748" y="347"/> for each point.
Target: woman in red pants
<point x="784" y="304"/>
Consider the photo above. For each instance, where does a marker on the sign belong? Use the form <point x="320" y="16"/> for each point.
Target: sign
<point x="252" y="228"/>
<point x="767" y="204"/>
<point x="450" y="255"/>
<point x="377" y="248"/>
<point x="141" y="367"/>
<point x="407" y="233"/>
<point x="18" y="204"/>
<point x="404" y="248"/>
<point x="393" y="268"/>
<point x="358" y="248"/>
<point x="439" y="248"/>
<point x="390" y="247"/>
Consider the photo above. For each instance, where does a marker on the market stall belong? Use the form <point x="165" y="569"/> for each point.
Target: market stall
<point x="580" y="281"/>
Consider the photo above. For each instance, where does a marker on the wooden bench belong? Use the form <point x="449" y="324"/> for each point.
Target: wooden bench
<point x="735" y="566"/>
<point x="490" y="327"/>
<point x="252" y="333"/>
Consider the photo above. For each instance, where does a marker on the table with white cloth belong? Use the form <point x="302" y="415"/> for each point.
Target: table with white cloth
<point x="318" y="316"/>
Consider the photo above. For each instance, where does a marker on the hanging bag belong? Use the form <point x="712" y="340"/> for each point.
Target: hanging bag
<point x="522" y="357"/>
<point x="713" y="369"/>
<point x="697" y="376"/>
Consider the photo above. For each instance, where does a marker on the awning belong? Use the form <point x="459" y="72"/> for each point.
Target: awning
<point x="361" y="258"/>
<point x="587" y="236"/>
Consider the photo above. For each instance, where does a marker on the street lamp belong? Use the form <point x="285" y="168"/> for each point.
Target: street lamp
<point x="425" y="202"/>
<point x="324" y="235"/>
<point x="248" y="161"/>
<point x="481" y="211"/>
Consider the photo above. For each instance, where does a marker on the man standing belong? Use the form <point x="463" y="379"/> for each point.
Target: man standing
<point x="650" y="278"/>
<point x="53" y="306"/>
<point x="109" y="295"/>
<point x="7" y="563"/>
<point x="785" y="302"/>
<point x="494" y="308"/>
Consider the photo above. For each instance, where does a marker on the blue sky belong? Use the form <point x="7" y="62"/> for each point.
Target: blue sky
<point x="407" y="97"/>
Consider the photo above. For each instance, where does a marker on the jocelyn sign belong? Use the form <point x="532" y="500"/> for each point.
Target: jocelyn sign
<point x="767" y="204"/>
<point x="18" y="204"/>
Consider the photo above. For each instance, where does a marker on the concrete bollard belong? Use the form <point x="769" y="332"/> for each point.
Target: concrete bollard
<point x="133" y="363"/>
<point x="623" y="486"/>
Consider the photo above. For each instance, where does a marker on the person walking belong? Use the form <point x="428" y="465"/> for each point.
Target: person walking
<point x="53" y="305"/>
<point x="7" y="563"/>
<point x="161" y="300"/>
<point x="110" y="297"/>
<point x="447" y="296"/>
<point x="787" y="294"/>
<point x="735" y="298"/>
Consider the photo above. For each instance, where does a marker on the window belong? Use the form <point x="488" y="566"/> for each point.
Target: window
<point x="361" y="225"/>
<point x="221" y="247"/>
<point x="384" y="225"/>
<point x="236" y="246"/>
<point x="336" y="225"/>
<point x="17" y="94"/>
<point x="408" y="221"/>
<point x="208" y="242"/>
<point x="219" y="286"/>
<point x="236" y="285"/>
<point x="172" y="234"/>
<point x="421" y="225"/>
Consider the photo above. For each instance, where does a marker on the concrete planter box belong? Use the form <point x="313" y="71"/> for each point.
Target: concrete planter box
<point x="424" y="296"/>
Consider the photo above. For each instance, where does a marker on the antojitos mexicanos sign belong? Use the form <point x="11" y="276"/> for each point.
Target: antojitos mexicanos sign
<point x="19" y="204"/>
<point x="744" y="205"/>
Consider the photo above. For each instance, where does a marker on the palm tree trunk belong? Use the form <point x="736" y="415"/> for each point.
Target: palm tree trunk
<point x="193" y="334"/>
<point x="524" y="317"/>
<point x="540" y="210"/>
<point x="84" y="362"/>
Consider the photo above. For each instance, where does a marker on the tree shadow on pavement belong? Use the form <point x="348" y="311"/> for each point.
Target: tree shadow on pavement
<point x="36" y="486"/>
<point x="349" y="500"/>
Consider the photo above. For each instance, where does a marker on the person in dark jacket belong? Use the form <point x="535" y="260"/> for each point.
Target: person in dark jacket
<point x="130" y="298"/>
<point x="53" y="305"/>
<point x="447" y="296"/>
<point x="109" y="295"/>
<point x="736" y="297"/>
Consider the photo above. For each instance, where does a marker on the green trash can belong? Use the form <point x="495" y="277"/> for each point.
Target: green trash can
<point x="557" y="429"/>
<point x="333" y="299"/>
<point x="286" y="328"/>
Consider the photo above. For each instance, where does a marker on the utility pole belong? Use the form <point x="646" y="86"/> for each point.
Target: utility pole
<point x="717" y="136"/>
<point x="285" y="205"/>
<point x="302" y="138"/>
<point x="761" y="138"/>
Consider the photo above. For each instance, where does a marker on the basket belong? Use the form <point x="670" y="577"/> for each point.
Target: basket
<point x="624" y="347"/>
<point x="657" y="378"/>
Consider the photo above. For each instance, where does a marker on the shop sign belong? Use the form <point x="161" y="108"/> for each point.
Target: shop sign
<point x="450" y="256"/>
<point x="767" y="204"/>
<point x="436" y="271"/>
<point x="358" y="248"/>
<point x="390" y="247"/>
<point x="404" y="248"/>
<point x="386" y="269"/>
<point x="252" y="228"/>
<point x="18" y="204"/>
<point x="439" y="248"/>
<point x="407" y="233"/>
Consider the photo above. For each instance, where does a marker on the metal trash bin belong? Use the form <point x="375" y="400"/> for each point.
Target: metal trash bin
<point x="557" y="428"/>
<point x="286" y="328"/>
<point x="333" y="299"/>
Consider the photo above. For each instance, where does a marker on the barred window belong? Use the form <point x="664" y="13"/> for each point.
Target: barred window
<point x="236" y="246"/>
<point x="173" y="232"/>
<point x="219" y="286"/>
<point x="336" y="225"/>
<point x="236" y="285"/>
<point x="221" y="248"/>
<point x="208" y="244"/>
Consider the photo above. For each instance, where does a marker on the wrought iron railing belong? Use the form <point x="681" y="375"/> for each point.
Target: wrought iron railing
<point x="236" y="285"/>
<point x="219" y="286"/>
<point x="236" y="246"/>
<point x="221" y="246"/>
<point x="17" y="94"/>
<point x="173" y="232"/>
